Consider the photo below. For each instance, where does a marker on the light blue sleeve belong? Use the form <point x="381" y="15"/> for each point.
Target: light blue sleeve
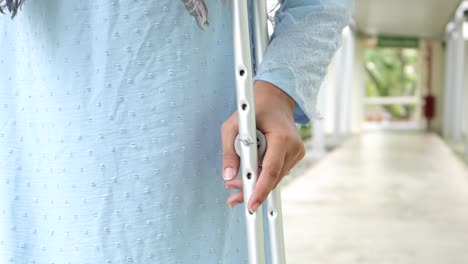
<point x="307" y="34"/>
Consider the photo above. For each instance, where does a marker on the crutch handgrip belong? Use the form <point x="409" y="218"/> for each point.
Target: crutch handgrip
<point x="261" y="145"/>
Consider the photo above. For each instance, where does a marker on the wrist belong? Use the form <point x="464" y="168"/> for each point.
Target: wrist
<point x="268" y="93"/>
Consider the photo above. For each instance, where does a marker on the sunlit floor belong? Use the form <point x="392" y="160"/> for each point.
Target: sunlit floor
<point x="380" y="198"/>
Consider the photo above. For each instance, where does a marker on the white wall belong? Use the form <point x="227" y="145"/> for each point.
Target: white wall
<point x="437" y="77"/>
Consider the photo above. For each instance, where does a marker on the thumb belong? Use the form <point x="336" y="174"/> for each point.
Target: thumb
<point x="229" y="132"/>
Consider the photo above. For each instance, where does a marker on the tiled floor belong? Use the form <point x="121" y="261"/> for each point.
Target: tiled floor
<point x="380" y="198"/>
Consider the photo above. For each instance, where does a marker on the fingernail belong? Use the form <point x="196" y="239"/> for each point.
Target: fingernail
<point x="229" y="174"/>
<point x="253" y="208"/>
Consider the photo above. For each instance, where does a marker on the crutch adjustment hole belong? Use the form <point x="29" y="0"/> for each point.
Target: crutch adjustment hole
<point x="244" y="106"/>
<point x="241" y="72"/>
<point x="249" y="175"/>
<point x="272" y="213"/>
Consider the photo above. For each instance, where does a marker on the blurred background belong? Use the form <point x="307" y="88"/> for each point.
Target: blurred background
<point x="385" y="178"/>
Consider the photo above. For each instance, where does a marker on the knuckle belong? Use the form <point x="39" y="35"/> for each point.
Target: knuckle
<point x="300" y="149"/>
<point x="282" y="136"/>
<point x="302" y="154"/>
<point x="230" y="156"/>
<point x="228" y="126"/>
<point x="273" y="171"/>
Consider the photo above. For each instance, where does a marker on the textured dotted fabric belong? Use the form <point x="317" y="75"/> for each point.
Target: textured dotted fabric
<point x="110" y="115"/>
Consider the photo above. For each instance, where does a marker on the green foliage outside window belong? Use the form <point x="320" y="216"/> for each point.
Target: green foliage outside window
<point x="392" y="72"/>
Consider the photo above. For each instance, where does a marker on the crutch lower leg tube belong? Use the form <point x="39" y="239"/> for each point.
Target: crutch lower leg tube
<point x="249" y="140"/>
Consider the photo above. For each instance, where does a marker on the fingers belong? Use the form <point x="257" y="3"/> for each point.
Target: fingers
<point x="271" y="170"/>
<point x="276" y="165"/>
<point x="291" y="161"/>
<point x="235" y="199"/>
<point x="285" y="149"/>
<point x="234" y="184"/>
<point x="229" y="132"/>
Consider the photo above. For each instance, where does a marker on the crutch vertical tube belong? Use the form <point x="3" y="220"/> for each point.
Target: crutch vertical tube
<point x="260" y="27"/>
<point x="247" y="127"/>
<point x="275" y="216"/>
<point x="247" y="147"/>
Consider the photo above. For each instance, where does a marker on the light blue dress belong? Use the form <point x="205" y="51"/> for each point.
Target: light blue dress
<point x="110" y="115"/>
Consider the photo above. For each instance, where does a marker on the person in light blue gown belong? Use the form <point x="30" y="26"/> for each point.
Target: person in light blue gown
<point x="111" y="148"/>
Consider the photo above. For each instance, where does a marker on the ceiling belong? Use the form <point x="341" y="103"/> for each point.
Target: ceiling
<point x="423" y="18"/>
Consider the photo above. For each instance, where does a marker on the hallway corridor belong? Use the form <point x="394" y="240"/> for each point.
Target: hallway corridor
<point x="380" y="198"/>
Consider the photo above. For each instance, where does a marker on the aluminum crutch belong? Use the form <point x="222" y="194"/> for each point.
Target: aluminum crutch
<point x="250" y="140"/>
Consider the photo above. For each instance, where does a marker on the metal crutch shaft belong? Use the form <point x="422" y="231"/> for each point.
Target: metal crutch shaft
<point x="247" y="132"/>
<point x="247" y="127"/>
<point x="275" y="215"/>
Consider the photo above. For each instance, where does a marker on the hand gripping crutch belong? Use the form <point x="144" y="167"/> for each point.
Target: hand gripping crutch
<point x="251" y="143"/>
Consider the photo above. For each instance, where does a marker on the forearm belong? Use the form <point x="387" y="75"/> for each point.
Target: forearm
<point x="306" y="36"/>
